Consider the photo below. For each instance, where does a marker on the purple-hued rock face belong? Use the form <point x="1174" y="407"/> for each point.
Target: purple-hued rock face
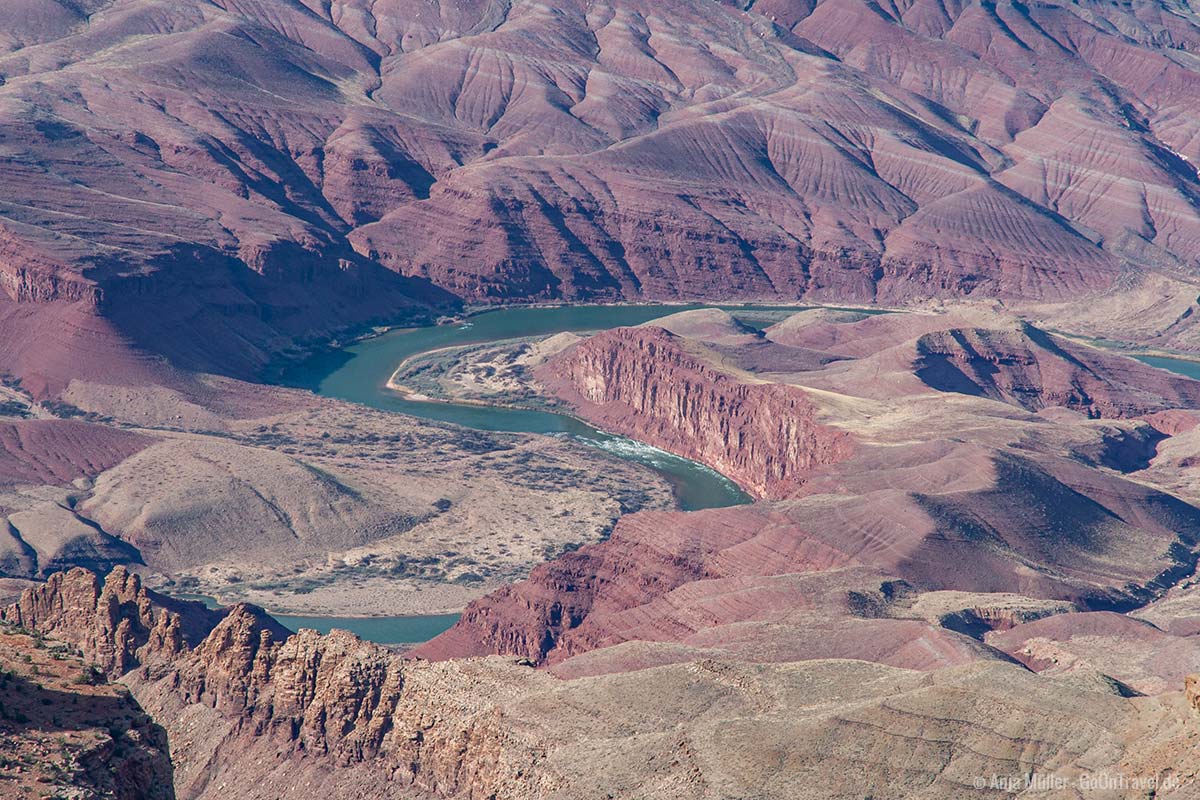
<point x="218" y="180"/>
<point x="949" y="499"/>
<point x="891" y="454"/>
<point x="643" y="383"/>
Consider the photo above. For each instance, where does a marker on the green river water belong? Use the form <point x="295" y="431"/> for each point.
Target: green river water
<point x="359" y="373"/>
<point x="1180" y="366"/>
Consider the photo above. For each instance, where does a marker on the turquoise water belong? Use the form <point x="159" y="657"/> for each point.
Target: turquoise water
<point x="359" y="373"/>
<point x="1180" y="366"/>
<point x="383" y="630"/>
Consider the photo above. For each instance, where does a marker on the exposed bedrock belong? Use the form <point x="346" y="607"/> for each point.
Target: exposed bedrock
<point x="943" y="488"/>
<point x="1028" y="367"/>
<point x="222" y="184"/>
<point x="286" y="719"/>
<point x="1041" y="528"/>
<point x="644" y="382"/>
<point x="115" y="621"/>
<point x="231" y="685"/>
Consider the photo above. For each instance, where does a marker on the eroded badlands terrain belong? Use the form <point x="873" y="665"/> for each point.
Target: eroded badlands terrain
<point x="220" y="180"/>
<point x="971" y="455"/>
<point x="973" y="555"/>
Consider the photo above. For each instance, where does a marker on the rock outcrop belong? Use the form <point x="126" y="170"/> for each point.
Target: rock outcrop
<point x="735" y="579"/>
<point x="333" y="698"/>
<point x="331" y="716"/>
<point x="336" y="698"/>
<point x="65" y="731"/>
<point x="646" y="383"/>
<point x="116" y="623"/>
<point x="943" y="490"/>
<point x="1030" y="368"/>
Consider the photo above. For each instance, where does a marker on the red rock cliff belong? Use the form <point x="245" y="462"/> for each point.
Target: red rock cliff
<point x="645" y="383"/>
<point x="249" y="694"/>
<point x="115" y="623"/>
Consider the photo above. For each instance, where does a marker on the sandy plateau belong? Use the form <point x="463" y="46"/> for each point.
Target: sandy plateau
<point x="298" y="503"/>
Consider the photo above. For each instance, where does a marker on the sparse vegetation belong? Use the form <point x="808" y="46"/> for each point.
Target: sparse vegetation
<point x="91" y="675"/>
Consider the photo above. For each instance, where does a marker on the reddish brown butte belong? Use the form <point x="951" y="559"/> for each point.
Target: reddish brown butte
<point x="643" y="382"/>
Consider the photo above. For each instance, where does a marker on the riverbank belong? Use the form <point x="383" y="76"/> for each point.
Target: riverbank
<point x="403" y="629"/>
<point x="362" y="374"/>
<point x="364" y="599"/>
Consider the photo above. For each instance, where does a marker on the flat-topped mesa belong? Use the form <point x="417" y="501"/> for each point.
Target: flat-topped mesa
<point x="644" y="382"/>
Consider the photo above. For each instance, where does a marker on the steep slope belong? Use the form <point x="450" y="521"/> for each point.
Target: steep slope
<point x="1031" y="369"/>
<point x="116" y="622"/>
<point x="990" y="482"/>
<point x="255" y="174"/>
<point x="645" y="383"/>
<point x="65" y="729"/>
<point x="284" y="718"/>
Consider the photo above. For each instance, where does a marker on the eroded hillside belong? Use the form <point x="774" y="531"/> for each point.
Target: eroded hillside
<point x="215" y="181"/>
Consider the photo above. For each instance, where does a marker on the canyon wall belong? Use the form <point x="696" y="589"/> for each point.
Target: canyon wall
<point x="938" y="475"/>
<point x="233" y="184"/>
<point x="230" y="686"/>
<point x="115" y="622"/>
<point x="254" y="715"/>
<point x="647" y="384"/>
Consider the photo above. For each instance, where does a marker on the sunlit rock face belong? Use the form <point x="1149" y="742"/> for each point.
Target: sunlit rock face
<point x="643" y="382"/>
<point x="215" y="181"/>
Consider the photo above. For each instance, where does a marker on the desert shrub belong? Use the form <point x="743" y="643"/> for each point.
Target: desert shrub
<point x="91" y="675"/>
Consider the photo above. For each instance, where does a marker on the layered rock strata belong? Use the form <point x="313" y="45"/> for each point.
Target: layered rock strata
<point x="645" y="383"/>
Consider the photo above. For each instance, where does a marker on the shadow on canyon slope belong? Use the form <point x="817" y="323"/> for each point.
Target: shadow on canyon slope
<point x="220" y="315"/>
<point x="134" y="764"/>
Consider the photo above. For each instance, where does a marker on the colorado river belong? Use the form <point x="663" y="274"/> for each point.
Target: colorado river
<point x="1180" y="366"/>
<point x="359" y="373"/>
<point x="382" y="630"/>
